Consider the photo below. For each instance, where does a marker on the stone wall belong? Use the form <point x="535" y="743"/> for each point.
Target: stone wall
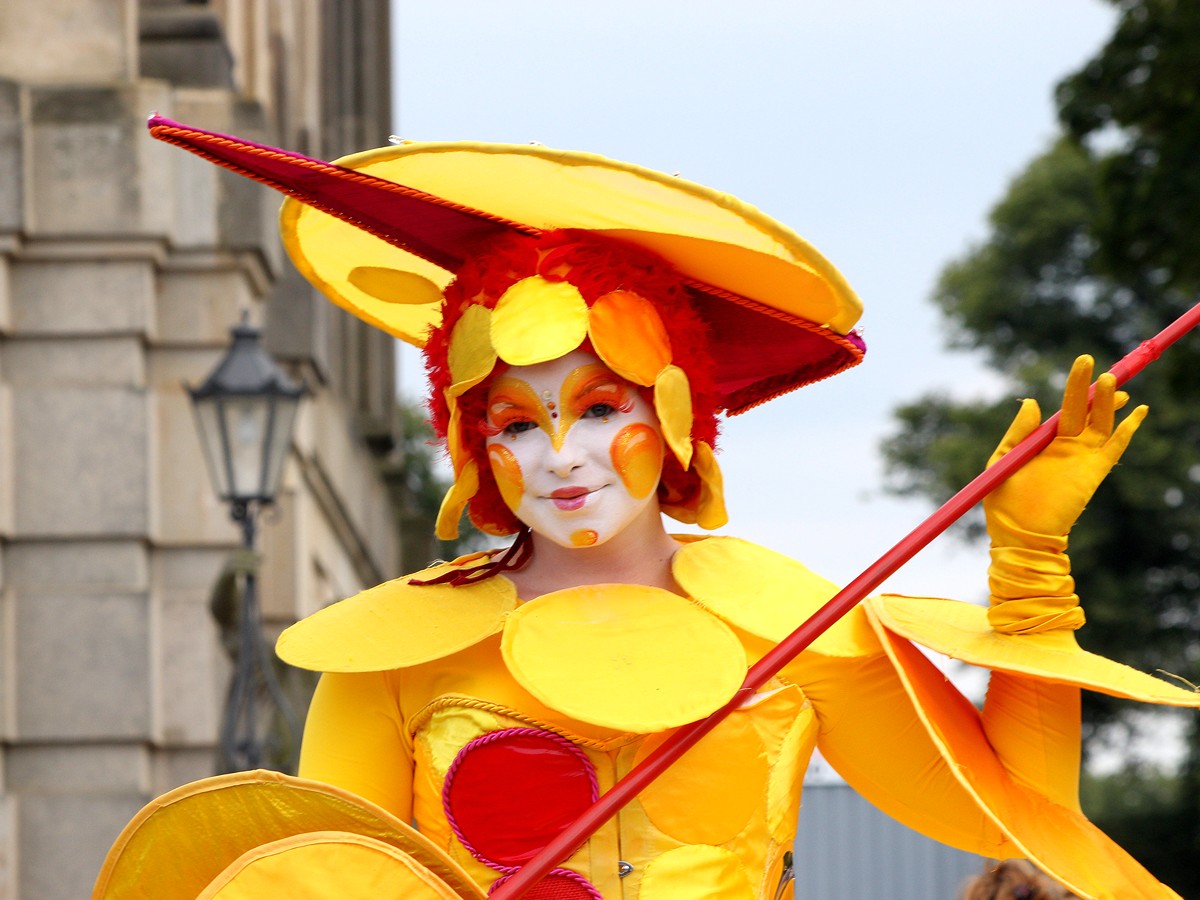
<point x="123" y="262"/>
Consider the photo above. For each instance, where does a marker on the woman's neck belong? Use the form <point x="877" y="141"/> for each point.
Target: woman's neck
<point x="640" y="554"/>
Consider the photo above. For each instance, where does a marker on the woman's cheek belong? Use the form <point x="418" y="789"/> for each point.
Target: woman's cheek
<point x="637" y="455"/>
<point x="507" y="472"/>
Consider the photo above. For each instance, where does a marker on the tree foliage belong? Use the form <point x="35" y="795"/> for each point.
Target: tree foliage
<point x="1096" y="246"/>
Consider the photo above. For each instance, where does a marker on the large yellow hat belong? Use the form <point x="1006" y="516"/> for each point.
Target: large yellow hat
<point x="382" y="232"/>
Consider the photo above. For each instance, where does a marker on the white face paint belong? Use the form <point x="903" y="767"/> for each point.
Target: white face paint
<point x="575" y="449"/>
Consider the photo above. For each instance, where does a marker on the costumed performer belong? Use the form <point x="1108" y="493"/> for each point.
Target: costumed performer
<point x="584" y="322"/>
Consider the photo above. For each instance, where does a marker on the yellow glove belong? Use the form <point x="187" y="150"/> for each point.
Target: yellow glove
<point x="1030" y="515"/>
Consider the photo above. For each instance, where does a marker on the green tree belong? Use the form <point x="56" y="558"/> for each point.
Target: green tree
<point x="1095" y="246"/>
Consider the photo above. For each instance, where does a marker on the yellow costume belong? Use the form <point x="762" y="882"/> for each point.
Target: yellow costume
<point x="716" y="824"/>
<point x="490" y="723"/>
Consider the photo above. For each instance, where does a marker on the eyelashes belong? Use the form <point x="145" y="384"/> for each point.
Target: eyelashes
<point x="502" y="416"/>
<point x="610" y="395"/>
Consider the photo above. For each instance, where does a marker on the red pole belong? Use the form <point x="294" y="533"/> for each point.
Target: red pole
<point x="846" y="599"/>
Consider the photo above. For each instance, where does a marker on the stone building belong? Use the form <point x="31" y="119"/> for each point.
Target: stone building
<point x="123" y="263"/>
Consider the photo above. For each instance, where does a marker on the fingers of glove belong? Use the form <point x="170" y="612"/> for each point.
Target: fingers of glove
<point x="1103" y="406"/>
<point x="1120" y="398"/>
<point x="1028" y="417"/>
<point x="1075" y="397"/>
<point x="1124" y="434"/>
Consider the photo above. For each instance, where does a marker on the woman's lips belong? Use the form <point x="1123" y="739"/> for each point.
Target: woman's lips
<point x="570" y="498"/>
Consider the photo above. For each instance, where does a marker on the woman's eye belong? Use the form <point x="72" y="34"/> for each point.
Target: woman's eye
<point x="518" y="427"/>
<point x="599" y="411"/>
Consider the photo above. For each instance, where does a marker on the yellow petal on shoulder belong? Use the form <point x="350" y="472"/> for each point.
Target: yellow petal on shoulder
<point x="634" y="658"/>
<point x="395" y="286"/>
<point x="456" y="499"/>
<point x="470" y="355"/>
<point x="715" y="572"/>
<point x="628" y="334"/>
<point x="397" y="624"/>
<point x="537" y="320"/>
<point x="673" y="403"/>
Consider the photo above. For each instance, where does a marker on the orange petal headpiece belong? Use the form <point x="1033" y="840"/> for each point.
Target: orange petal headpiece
<point x="387" y="233"/>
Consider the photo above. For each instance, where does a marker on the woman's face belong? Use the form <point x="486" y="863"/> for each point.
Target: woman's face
<point x="575" y="449"/>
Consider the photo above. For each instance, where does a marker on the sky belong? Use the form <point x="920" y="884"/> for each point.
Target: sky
<point x="881" y="131"/>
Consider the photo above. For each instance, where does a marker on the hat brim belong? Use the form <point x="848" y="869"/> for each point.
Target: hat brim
<point x="182" y="841"/>
<point x="961" y="631"/>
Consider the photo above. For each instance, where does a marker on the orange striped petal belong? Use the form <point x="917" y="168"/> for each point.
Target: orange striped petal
<point x="629" y="336"/>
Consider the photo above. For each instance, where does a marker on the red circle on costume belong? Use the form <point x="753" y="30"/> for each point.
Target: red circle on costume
<point x="509" y="793"/>
<point x="559" y="884"/>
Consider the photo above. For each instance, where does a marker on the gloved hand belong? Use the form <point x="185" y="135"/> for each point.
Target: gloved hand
<point x="1030" y="515"/>
<point x="1046" y="495"/>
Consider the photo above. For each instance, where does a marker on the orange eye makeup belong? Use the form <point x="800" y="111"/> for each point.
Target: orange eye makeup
<point x="593" y="385"/>
<point x="511" y="401"/>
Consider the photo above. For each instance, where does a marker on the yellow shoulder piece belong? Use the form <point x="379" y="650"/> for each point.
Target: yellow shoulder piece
<point x="765" y="593"/>
<point x="961" y="631"/>
<point x="397" y="624"/>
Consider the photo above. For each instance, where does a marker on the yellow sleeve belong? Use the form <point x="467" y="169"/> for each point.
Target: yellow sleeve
<point x="355" y="739"/>
<point x="1033" y="726"/>
<point x="871" y="734"/>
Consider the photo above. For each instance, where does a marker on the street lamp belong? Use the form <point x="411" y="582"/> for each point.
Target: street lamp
<point x="245" y="410"/>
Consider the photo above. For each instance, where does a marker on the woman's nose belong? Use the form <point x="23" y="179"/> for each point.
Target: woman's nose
<point x="566" y="459"/>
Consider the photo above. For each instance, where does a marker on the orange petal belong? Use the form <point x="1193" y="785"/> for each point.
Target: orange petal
<point x="629" y="336"/>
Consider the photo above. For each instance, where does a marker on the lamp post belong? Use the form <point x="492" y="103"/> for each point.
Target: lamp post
<point x="245" y="410"/>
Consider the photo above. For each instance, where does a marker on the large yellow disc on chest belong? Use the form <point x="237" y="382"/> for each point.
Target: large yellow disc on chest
<point x="634" y="658"/>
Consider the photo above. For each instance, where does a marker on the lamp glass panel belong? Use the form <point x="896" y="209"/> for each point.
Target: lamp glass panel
<point x="210" y="424"/>
<point x="246" y="428"/>
<point x="276" y="450"/>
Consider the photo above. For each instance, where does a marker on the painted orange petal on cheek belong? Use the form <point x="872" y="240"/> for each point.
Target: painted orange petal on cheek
<point x="507" y="472"/>
<point x="637" y="455"/>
